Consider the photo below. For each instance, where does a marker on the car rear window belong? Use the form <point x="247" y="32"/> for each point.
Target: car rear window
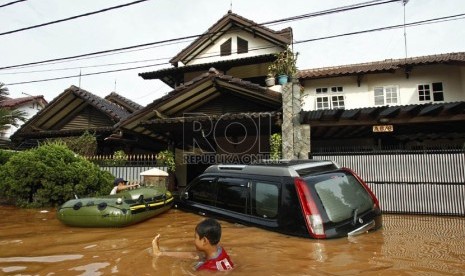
<point x="341" y="195"/>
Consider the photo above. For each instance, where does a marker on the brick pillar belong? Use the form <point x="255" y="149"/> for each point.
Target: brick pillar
<point x="296" y="137"/>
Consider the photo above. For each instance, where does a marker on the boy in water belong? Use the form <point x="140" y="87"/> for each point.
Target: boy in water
<point x="207" y="237"/>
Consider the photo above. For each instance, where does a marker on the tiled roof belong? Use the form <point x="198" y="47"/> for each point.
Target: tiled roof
<point x="381" y="66"/>
<point x="212" y="75"/>
<point x="115" y="111"/>
<point x="169" y="72"/>
<point x="116" y="98"/>
<point x="283" y="37"/>
<point x="413" y="110"/>
<point x="11" y="103"/>
<point x="213" y="118"/>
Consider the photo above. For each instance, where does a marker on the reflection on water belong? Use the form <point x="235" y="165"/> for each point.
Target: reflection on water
<point x="35" y="243"/>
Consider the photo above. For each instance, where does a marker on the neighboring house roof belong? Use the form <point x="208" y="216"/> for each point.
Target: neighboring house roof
<point x="196" y="93"/>
<point x="16" y="102"/>
<point x="123" y="102"/>
<point x="282" y="37"/>
<point x="388" y="65"/>
<point x="72" y="112"/>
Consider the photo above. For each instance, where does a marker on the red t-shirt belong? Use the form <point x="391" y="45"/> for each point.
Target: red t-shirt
<point x="221" y="262"/>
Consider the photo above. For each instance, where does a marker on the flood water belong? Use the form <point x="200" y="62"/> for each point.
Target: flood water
<point x="34" y="242"/>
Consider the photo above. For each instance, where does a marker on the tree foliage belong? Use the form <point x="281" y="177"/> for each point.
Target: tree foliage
<point x="166" y="158"/>
<point x="50" y="175"/>
<point x="85" y="145"/>
<point x="275" y="146"/>
<point x="9" y="117"/>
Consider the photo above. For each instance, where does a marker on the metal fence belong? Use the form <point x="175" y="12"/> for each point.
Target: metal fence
<point x="129" y="167"/>
<point x="409" y="181"/>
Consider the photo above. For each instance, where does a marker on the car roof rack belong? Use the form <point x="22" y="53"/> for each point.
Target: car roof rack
<point x="294" y="168"/>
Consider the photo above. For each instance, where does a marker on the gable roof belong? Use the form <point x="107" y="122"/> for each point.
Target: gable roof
<point x="388" y="65"/>
<point x="123" y="102"/>
<point x="68" y="105"/>
<point x="282" y="37"/>
<point x="197" y="92"/>
<point x="16" y="102"/>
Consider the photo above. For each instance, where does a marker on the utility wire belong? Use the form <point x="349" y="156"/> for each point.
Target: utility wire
<point x="11" y="3"/>
<point x="417" y="23"/>
<point x="81" y="67"/>
<point x="88" y="74"/>
<point x="72" y="17"/>
<point x="330" y="11"/>
<point x="207" y="34"/>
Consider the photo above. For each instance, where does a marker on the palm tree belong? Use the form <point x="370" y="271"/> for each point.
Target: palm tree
<point x="3" y="91"/>
<point x="9" y="117"/>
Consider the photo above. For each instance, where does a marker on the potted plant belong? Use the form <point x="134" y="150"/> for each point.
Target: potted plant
<point x="284" y="66"/>
<point x="270" y="80"/>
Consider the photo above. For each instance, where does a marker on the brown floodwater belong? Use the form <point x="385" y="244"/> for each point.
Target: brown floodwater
<point x="34" y="242"/>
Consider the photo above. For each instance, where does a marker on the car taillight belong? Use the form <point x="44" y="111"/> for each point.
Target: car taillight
<point x="370" y="192"/>
<point x="310" y="211"/>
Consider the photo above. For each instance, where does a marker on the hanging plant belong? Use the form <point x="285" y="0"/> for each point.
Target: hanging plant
<point x="166" y="157"/>
<point x="275" y="146"/>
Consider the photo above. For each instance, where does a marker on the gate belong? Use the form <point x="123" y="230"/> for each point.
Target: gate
<point x="410" y="181"/>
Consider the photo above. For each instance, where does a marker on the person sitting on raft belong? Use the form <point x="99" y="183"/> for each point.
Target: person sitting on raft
<point x="120" y="184"/>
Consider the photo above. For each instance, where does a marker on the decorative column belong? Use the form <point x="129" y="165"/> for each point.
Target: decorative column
<point x="296" y="137"/>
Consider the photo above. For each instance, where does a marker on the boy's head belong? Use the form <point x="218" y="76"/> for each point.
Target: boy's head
<point x="210" y="229"/>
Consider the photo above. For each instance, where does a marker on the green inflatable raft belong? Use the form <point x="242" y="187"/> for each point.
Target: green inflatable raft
<point x="123" y="209"/>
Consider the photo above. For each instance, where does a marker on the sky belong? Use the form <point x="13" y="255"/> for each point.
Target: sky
<point x="159" y="20"/>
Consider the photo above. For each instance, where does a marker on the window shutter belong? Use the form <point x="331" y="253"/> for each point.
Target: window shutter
<point x="242" y="46"/>
<point x="225" y="48"/>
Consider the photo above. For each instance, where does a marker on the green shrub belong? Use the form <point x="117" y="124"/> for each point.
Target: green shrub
<point x="119" y="159"/>
<point x="50" y="175"/>
<point x="85" y="145"/>
<point x="5" y="155"/>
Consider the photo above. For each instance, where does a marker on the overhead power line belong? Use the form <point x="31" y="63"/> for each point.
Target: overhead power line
<point x="88" y="74"/>
<point x="330" y="11"/>
<point x="73" y="17"/>
<point x="417" y="23"/>
<point x="294" y="18"/>
<point x="11" y="3"/>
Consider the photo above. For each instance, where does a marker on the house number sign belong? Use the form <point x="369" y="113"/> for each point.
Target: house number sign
<point x="383" y="128"/>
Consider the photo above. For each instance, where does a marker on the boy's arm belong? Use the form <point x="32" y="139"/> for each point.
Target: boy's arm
<point x="178" y="254"/>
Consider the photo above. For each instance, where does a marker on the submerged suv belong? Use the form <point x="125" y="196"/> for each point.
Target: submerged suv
<point x="306" y="198"/>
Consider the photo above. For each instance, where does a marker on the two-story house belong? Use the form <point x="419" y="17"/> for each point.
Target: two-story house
<point x="412" y="102"/>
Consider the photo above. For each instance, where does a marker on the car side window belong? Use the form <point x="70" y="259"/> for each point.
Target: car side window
<point x="265" y="199"/>
<point x="203" y="191"/>
<point x="232" y="194"/>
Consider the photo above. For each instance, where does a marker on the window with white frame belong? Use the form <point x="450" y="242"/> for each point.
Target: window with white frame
<point x="428" y="91"/>
<point x="328" y="98"/>
<point x="386" y="95"/>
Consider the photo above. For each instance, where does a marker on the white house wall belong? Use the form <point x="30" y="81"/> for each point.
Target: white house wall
<point x="257" y="46"/>
<point x="452" y="78"/>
